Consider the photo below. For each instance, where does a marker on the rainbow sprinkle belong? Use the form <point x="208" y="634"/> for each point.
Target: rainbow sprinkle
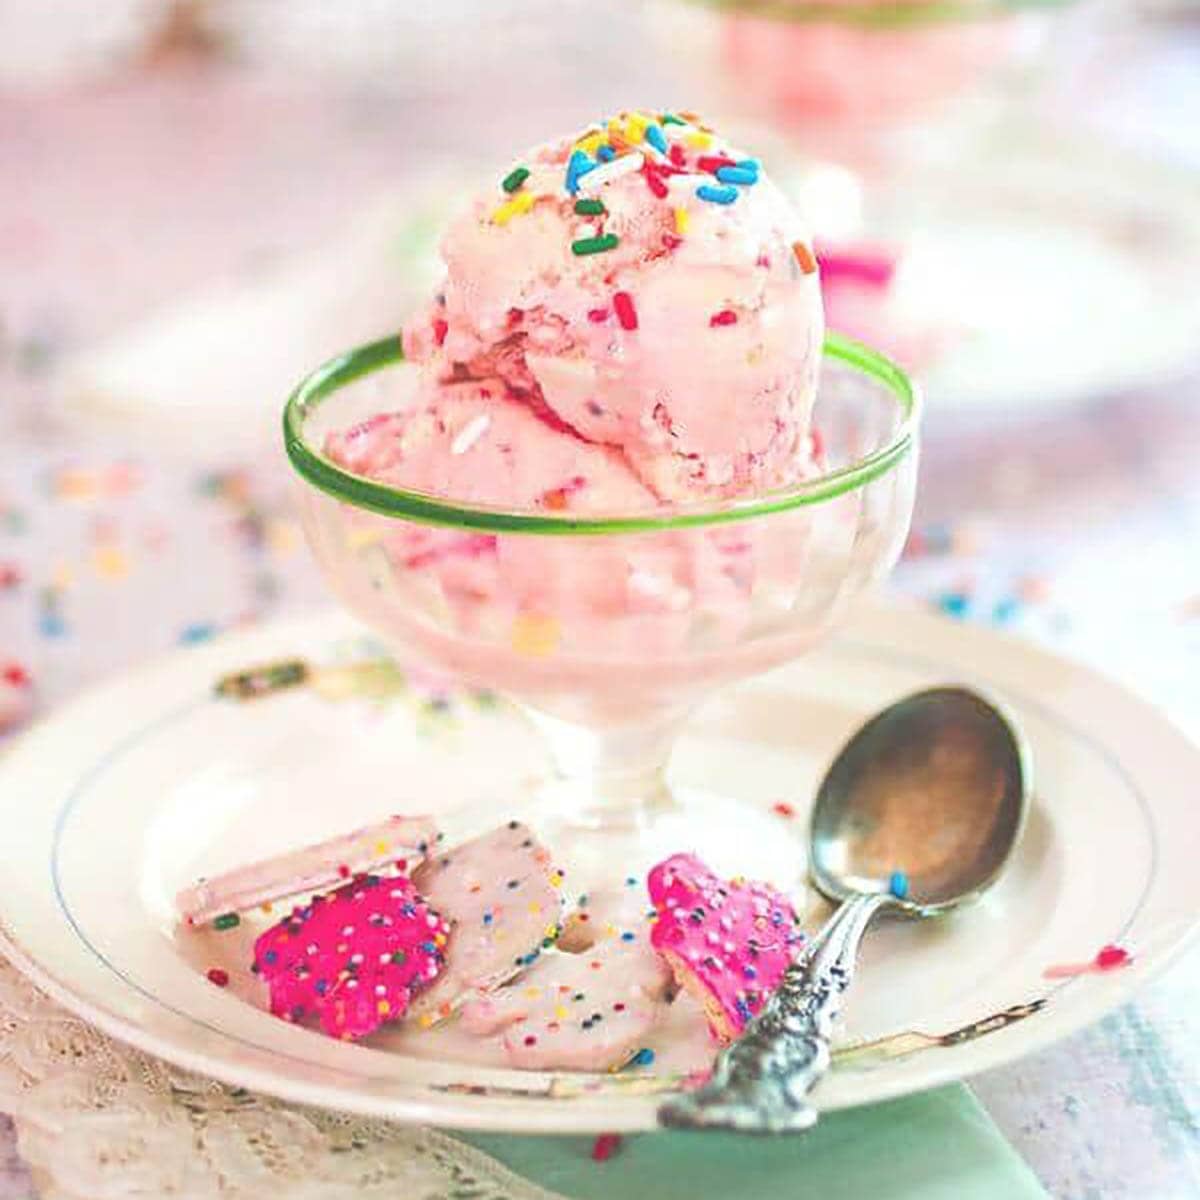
<point x="522" y="202"/>
<point x="804" y="256"/>
<point x="597" y="175"/>
<point x="654" y="181"/>
<point x="514" y="179"/>
<point x="683" y="219"/>
<point x="626" y="312"/>
<point x="578" y="165"/>
<point x="595" y="245"/>
<point x="589" y="208"/>
<point x="741" y="175"/>
<point x="591" y="142"/>
<point x="717" y="195"/>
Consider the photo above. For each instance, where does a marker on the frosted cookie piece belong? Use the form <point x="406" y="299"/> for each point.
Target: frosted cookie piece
<point x="353" y="958"/>
<point x="503" y="899"/>
<point x="728" y="942"/>
<point x="589" y="1008"/>
<point x="399" y="841"/>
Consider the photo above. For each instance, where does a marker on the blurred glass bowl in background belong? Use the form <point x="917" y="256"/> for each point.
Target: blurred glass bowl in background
<point x="845" y="77"/>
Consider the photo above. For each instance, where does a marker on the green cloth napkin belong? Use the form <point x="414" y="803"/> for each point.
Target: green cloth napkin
<point x="939" y="1145"/>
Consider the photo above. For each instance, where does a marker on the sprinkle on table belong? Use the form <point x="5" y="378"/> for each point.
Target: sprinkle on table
<point x="217" y="976"/>
<point x="1112" y="956"/>
<point x="605" y="1146"/>
<point x="515" y="178"/>
<point x="594" y="245"/>
<point x="16" y="675"/>
<point x="804" y="256"/>
<point x="590" y="208"/>
<point x="722" y="194"/>
<point x="898" y="885"/>
<point x="626" y="312"/>
<point x="783" y="809"/>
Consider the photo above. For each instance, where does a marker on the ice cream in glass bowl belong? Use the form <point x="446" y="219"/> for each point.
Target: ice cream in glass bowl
<point x="614" y="465"/>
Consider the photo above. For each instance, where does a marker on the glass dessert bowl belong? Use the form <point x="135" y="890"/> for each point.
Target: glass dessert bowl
<point x="608" y="630"/>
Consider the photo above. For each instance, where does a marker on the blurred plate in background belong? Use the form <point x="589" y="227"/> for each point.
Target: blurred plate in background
<point x="1043" y="271"/>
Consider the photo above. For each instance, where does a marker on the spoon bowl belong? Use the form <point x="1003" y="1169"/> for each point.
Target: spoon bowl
<point x="933" y="790"/>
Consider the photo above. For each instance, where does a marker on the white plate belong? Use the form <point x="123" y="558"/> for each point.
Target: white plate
<point x="136" y="788"/>
<point x="1041" y="267"/>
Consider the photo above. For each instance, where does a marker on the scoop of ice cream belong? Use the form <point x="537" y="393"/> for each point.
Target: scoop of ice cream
<point x="472" y="442"/>
<point x="645" y="288"/>
<point x="631" y="322"/>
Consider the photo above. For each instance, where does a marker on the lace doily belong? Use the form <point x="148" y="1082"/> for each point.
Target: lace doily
<point x="98" y="1120"/>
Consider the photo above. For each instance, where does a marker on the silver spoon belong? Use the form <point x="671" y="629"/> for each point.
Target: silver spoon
<point x="917" y="815"/>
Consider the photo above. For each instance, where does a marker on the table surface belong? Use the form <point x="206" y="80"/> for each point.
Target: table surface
<point x="1079" y="529"/>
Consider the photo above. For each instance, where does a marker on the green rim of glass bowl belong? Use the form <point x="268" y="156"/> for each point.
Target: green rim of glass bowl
<point x="389" y="501"/>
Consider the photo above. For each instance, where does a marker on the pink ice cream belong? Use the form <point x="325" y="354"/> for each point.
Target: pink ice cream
<point x="630" y="322"/>
<point x="612" y="335"/>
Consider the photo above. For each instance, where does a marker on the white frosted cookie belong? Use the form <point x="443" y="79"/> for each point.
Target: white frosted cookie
<point x="590" y="1005"/>
<point x="502" y="896"/>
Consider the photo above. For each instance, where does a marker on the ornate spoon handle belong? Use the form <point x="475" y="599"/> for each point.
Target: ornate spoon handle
<point x="760" y="1083"/>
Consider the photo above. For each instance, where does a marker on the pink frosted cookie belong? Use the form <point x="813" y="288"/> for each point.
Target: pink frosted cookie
<point x="728" y="942"/>
<point x="503" y="899"/>
<point x="353" y="957"/>
<point x="591" y="1009"/>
